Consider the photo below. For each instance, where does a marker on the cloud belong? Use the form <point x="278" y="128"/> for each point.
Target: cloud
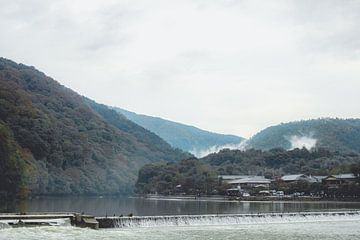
<point x="226" y="65"/>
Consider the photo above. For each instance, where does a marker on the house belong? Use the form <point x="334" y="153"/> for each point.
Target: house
<point x="319" y="179"/>
<point x="298" y="178"/>
<point x="334" y="181"/>
<point x="250" y="182"/>
<point x="232" y="177"/>
<point x="226" y="178"/>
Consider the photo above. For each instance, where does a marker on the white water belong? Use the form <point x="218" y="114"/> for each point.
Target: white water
<point x="311" y="229"/>
<point x="208" y="220"/>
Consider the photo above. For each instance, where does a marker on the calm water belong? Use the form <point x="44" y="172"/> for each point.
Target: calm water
<point x="142" y="206"/>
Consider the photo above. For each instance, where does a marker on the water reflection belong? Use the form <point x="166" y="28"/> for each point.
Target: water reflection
<point x="141" y="206"/>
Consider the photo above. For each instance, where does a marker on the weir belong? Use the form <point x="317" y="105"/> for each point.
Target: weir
<point x="223" y="219"/>
<point x="80" y="220"/>
<point x="47" y="219"/>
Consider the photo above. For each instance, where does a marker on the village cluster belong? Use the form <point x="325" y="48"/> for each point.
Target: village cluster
<point x="299" y="186"/>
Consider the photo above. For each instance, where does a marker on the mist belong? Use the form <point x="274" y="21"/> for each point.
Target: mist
<point x="199" y="153"/>
<point x="308" y="142"/>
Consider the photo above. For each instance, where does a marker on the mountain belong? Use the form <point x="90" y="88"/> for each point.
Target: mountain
<point x="188" y="138"/>
<point x="333" y="134"/>
<point x="54" y="141"/>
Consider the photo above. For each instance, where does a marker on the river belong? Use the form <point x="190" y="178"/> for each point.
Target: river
<point x="339" y="228"/>
<point x="102" y="206"/>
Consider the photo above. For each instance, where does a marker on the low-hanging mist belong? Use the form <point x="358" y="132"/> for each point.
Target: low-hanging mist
<point x="308" y="141"/>
<point x="296" y="141"/>
<point x="216" y="148"/>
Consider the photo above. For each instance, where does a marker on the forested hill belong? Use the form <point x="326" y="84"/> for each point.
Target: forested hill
<point x="333" y="134"/>
<point x="200" y="175"/>
<point x="53" y="141"/>
<point x="185" y="137"/>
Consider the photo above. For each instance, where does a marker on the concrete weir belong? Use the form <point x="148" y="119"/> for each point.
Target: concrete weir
<point x="48" y="219"/>
<point x="221" y="219"/>
<point x="81" y="220"/>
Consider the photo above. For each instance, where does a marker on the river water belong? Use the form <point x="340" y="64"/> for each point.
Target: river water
<point x="102" y="206"/>
<point x="338" y="227"/>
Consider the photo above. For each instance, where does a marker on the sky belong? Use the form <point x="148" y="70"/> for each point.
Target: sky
<point x="228" y="66"/>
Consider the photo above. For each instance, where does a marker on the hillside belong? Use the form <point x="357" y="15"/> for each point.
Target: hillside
<point x="200" y="175"/>
<point x="53" y="141"/>
<point x="333" y="134"/>
<point x="185" y="137"/>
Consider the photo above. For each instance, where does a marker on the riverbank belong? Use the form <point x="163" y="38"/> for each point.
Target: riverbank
<point x="248" y="199"/>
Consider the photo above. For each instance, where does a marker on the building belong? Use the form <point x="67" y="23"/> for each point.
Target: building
<point x="319" y="179"/>
<point x="226" y="178"/>
<point x="250" y="182"/>
<point x="232" y="177"/>
<point x="298" y="178"/>
<point x="334" y="181"/>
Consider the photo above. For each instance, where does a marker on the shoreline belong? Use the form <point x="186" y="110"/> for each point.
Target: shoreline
<point x="212" y="198"/>
<point x="251" y="199"/>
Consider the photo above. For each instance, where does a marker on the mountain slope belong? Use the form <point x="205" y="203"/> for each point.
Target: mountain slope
<point x="55" y="143"/>
<point x="334" y="134"/>
<point x="187" y="138"/>
<point x="159" y="149"/>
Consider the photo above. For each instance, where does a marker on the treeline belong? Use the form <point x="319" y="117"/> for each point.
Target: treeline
<point x="199" y="176"/>
<point x="278" y="161"/>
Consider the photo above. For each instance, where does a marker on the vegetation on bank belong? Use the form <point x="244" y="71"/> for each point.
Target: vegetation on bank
<point x="13" y="169"/>
<point x="199" y="176"/>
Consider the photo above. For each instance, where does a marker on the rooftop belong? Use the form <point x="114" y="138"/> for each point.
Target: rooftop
<point x="232" y="177"/>
<point x="294" y="177"/>
<point x="254" y="179"/>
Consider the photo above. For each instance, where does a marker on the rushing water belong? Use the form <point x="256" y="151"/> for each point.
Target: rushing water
<point x="337" y="230"/>
<point x="149" y="207"/>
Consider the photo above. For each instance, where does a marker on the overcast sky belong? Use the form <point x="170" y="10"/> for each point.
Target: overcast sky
<point x="229" y="66"/>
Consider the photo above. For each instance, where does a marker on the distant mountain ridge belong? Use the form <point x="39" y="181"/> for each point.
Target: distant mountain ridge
<point x="329" y="133"/>
<point x="184" y="137"/>
<point x="54" y="141"/>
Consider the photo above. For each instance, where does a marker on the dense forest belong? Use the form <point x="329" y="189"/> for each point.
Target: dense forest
<point x="53" y="141"/>
<point x="185" y="137"/>
<point x="200" y="175"/>
<point x="330" y="133"/>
